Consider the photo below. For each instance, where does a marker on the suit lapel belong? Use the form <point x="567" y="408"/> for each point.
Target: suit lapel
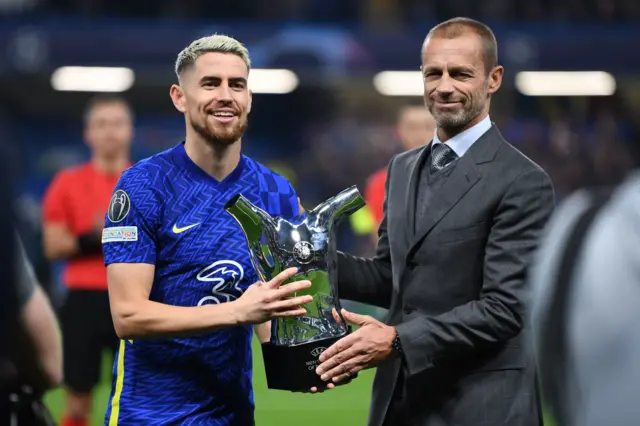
<point x="414" y="171"/>
<point x="463" y="177"/>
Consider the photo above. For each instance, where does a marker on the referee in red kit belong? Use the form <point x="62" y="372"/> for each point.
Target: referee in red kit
<point x="74" y="208"/>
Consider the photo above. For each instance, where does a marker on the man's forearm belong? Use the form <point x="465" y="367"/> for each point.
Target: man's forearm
<point x="364" y="280"/>
<point x="62" y="245"/>
<point x="426" y="339"/>
<point x="39" y="351"/>
<point x="150" y="319"/>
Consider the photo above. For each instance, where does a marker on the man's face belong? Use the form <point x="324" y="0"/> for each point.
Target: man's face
<point x="109" y="130"/>
<point x="415" y="127"/>
<point x="456" y="85"/>
<point x="214" y="96"/>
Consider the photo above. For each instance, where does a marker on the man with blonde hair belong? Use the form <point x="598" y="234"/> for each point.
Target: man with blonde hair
<point x="179" y="275"/>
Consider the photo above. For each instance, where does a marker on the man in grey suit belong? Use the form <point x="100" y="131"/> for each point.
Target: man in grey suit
<point x="462" y="217"/>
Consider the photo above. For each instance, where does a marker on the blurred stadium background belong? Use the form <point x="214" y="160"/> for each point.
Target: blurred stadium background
<point x="329" y="78"/>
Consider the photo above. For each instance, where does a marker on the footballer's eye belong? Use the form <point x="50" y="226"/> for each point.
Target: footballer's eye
<point x="209" y="82"/>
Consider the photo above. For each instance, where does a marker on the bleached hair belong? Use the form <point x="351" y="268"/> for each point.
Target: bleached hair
<point x="213" y="43"/>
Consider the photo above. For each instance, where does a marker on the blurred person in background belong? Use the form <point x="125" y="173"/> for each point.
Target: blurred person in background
<point x="415" y="127"/>
<point x="74" y="208"/>
<point x="462" y="217"/>
<point x="585" y="288"/>
<point x="30" y="344"/>
<point x="183" y="291"/>
<point x="31" y="364"/>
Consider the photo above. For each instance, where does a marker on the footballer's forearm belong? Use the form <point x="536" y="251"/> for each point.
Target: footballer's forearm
<point x="151" y="320"/>
<point x="263" y="331"/>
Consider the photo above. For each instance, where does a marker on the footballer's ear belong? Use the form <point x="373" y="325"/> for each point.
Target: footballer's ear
<point x="177" y="97"/>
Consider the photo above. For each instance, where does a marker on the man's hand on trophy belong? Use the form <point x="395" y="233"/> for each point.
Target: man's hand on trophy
<point x="263" y="301"/>
<point x="301" y="209"/>
<point x="362" y="349"/>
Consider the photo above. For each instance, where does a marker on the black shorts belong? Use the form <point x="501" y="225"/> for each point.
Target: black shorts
<point x="87" y="330"/>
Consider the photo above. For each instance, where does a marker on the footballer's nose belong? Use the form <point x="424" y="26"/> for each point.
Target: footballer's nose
<point x="224" y="93"/>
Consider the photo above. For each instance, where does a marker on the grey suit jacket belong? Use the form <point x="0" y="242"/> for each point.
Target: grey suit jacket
<point x="456" y="288"/>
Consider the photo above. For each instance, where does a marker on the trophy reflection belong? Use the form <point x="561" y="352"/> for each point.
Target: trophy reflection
<point x="309" y="244"/>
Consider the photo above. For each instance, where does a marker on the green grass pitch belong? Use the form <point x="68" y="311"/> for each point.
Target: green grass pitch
<point x="348" y="405"/>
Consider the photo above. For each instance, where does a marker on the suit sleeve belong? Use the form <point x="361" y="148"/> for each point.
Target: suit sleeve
<point x="498" y="314"/>
<point x="130" y="230"/>
<point x="365" y="280"/>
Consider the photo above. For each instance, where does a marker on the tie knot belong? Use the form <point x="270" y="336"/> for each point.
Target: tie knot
<point x="441" y="156"/>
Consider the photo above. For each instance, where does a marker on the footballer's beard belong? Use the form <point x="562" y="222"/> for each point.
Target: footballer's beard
<point x="219" y="134"/>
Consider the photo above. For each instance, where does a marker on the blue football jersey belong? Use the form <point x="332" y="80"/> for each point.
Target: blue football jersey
<point x="168" y="212"/>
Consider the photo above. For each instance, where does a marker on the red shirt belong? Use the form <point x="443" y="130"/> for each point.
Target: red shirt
<point x="374" y="194"/>
<point x="75" y="197"/>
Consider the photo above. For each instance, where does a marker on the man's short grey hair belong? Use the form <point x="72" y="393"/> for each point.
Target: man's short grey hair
<point x="213" y="43"/>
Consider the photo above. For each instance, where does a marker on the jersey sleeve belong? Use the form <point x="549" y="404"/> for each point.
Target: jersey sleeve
<point x="54" y="202"/>
<point x="130" y="231"/>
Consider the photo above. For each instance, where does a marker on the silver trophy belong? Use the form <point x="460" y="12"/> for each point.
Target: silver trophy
<point x="309" y="244"/>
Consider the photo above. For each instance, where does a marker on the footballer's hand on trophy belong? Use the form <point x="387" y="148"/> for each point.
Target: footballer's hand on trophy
<point x="263" y="301"/>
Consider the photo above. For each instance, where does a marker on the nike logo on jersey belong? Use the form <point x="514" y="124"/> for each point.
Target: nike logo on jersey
<point x="177" y="230"/>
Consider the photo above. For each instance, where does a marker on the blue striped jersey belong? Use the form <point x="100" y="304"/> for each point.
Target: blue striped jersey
<point x="167" y="211"/>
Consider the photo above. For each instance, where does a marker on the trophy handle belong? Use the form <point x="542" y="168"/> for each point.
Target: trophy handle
<point x="251" y="218"/>
<point x="331" y="211"/>
<point x="255" y="224"/>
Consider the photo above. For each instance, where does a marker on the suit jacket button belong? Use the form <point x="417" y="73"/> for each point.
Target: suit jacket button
<point x="408" y="309"/>
<point x="411" y="265"/>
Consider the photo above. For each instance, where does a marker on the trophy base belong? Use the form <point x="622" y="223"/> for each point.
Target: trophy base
<point x="293" y="368"/>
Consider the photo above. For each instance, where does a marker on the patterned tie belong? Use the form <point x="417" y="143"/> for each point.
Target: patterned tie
<point x="441" y="156"/>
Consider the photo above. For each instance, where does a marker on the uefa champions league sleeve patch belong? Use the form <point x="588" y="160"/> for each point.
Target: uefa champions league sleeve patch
<point x="119" y="206"/>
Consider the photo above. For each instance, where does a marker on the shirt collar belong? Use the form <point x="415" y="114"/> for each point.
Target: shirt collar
<point x="461" y="142"/>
